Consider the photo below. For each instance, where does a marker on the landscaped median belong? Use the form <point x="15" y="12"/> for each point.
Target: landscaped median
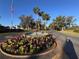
<point x="25" y="47"/>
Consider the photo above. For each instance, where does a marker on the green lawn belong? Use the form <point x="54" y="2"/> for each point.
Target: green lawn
<point x="70" y="33"/>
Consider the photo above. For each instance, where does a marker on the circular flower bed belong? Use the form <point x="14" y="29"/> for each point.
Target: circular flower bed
<point x="24" y="45"/>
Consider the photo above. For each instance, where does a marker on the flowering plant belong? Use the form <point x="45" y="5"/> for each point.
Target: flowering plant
<point x="22" y="45"/>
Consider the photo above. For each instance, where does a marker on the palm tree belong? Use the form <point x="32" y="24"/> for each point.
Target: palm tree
<point x="45" y="17"/>
<point x="36" y="10"/>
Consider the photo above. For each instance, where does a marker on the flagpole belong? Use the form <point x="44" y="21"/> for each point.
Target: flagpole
<point x="11" y="13"/>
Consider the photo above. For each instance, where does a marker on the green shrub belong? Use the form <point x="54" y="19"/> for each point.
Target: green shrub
<point x="76" y="30"/>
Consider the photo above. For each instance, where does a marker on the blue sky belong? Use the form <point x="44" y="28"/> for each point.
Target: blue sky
<point x="52" y="7"/>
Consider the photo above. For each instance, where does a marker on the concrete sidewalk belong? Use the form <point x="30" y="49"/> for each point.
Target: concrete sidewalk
<point x="60" y="54"/>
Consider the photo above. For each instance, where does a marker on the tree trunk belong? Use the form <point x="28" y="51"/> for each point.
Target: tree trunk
<point x="62" y="28"/>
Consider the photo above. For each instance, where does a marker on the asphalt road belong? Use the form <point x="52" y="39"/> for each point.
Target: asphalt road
<point x="73" y="44"/>
<point x="3" y="36"/>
